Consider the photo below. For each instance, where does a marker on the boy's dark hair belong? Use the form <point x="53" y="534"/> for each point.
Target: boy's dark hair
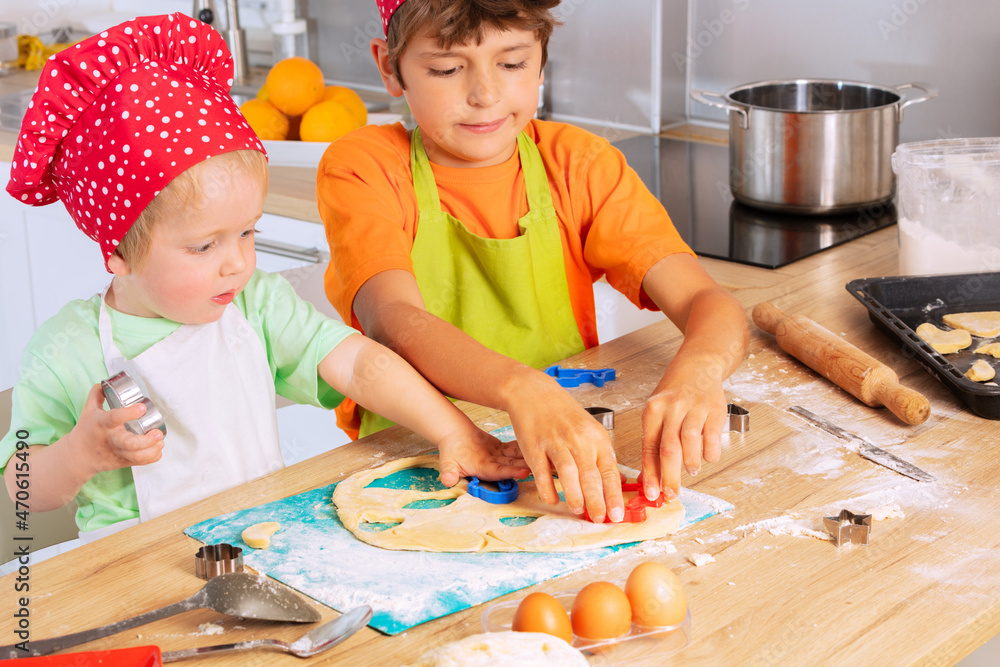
<point x="466" y="21"/>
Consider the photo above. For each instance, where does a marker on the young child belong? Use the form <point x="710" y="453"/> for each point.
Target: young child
<point x="134" y="131"/>
<point x="471" y="246"/>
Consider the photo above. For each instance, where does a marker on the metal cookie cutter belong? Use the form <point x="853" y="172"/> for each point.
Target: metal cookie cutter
<point x="122" y="391"/>
<point x="574" y="377"/>
<point x="848" y="527"/>
<point x="604" y="415"/>
<point x="739" y="418"/>
<point x="215" y="559"/>
<point x="505" y="492"/>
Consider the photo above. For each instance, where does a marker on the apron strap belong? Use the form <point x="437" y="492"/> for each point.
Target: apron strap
<point x="536" y="180"/>
<point x="423" y="178"/>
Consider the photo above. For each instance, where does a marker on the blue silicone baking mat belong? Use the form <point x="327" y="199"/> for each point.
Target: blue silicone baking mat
<point x="314" y="554"/>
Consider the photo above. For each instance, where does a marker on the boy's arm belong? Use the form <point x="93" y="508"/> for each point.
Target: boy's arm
<point x="380" y="380"/>
<point x="683" y="418"/>
<point x="554" y="432"/>
<point x="98" y="442"/>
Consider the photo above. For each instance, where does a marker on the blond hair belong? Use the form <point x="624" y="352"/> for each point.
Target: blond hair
<point x="466" y="21"/>
<point x="186" y="190"/>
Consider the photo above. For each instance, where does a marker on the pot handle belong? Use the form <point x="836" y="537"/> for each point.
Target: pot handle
<point x="930" y="92"/>
<point x="718" y="101"/>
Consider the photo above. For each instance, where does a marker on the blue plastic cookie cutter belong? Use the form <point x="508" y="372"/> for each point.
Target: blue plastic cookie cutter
<point x="574" y="377"/>
<point x="506" y="493"/>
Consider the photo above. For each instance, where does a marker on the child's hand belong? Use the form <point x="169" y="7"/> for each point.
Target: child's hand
<point x="558" y="436"/>
<point x="103" y="443"/>
<point x="474" y="453"/>
<point x="682" y="423"/>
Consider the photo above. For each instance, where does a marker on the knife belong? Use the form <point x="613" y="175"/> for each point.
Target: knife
<point x="867" y="449"/>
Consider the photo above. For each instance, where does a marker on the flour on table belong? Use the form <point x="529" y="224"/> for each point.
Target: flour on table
<point x="210" y="629"/>
<point x="700" y="559"/>
<point x="884" y="512"/>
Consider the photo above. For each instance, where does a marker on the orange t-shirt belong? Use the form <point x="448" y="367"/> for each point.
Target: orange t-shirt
<point x="610" y="224"/>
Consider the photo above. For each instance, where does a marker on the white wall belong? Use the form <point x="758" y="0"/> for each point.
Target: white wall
<point x="952" y="45"/>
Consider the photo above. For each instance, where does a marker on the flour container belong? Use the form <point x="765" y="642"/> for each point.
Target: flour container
<point x="949" y="206"/>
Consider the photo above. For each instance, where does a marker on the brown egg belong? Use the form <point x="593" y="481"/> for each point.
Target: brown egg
<point x="540" y="612"/>
<point x="656" y="595"/>
<point x="601" y="610"/>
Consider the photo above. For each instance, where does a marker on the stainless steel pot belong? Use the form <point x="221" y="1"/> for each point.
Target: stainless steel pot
<point x="813" y="145"/>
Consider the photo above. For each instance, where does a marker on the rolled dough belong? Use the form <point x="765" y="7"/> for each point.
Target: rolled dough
<point x="944" y="342"/>
<point x="981" y="371"/>
<point x="985" y="324"/>
<point x="524" y="649"/>
<point x="470" y="524"/>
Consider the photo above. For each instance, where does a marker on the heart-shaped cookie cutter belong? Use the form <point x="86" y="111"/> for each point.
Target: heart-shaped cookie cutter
<point x="121" y="391"/>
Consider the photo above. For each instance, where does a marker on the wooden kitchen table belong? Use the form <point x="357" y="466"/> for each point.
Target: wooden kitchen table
<point x="926" y="590"/>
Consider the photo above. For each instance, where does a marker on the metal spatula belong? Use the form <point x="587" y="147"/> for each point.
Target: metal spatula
<point x="235" y="594"/>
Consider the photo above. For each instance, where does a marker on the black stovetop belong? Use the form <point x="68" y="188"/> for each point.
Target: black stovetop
<point x="692" y="181"/>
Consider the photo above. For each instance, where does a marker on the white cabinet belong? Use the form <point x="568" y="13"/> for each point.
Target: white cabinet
<point x="45" y="261"/>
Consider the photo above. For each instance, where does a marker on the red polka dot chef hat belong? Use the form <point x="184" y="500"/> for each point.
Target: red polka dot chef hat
<point x="386" y="8"/>
<point x="118" y="116"/>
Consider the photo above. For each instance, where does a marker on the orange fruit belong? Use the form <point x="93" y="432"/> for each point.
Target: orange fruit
<point x="327" y="121"/>
<point x="262" y="93"/>
<point x="349" y="99"/>
<point x="295" y="84"/>
<point x="265" y="119"/>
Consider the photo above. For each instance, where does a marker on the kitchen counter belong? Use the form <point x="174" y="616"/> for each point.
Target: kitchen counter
<point x="923" y="591"/>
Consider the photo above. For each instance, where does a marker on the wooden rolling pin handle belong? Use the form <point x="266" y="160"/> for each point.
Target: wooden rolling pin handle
<point x="767" y="316"/>
<point x="851" y="369"/>
<point x="909" y="405"/>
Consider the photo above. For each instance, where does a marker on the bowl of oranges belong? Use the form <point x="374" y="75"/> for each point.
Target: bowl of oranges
<point x="296" y="114"/>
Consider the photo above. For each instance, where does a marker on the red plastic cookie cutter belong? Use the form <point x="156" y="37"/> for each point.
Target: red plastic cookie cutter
<point x="635" y="509"/>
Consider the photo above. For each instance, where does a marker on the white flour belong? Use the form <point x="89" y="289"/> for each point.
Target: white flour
<point x="922" y="251"/>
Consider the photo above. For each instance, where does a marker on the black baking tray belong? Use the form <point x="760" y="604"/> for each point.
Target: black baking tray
<point x="899" y="304"/>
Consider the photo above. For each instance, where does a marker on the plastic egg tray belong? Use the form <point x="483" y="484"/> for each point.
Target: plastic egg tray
<point x="641" y="641"/>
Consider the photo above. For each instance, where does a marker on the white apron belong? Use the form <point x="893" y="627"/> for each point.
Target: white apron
<point x="214" y="389"/>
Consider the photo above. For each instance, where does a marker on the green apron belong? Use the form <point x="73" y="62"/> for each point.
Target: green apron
<point x="511" y="295"/>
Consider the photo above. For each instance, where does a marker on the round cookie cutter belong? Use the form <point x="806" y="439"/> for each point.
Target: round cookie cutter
<point x="121" y="391"/>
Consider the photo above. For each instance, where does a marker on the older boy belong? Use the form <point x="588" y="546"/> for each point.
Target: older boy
<point x="471" y="247"/>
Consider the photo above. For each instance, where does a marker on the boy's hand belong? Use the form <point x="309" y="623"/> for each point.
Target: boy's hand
<point x="554" y="431"/>
<point x="475" y="453"/>
<point x="682" y="423"/>
<point x="103" y="443"/>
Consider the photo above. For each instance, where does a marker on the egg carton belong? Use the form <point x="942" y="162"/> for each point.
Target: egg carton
<point x="640" y="642"/>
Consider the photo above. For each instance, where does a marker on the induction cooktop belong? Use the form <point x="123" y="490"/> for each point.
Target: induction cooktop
<point x="692" y="181"/>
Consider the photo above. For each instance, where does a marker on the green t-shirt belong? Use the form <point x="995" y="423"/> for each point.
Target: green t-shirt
<point x="64" y="359"/>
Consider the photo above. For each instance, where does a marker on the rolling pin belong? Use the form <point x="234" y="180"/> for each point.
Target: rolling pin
<point x="857" y="373"/>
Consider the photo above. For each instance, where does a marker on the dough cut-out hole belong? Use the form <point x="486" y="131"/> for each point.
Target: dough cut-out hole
<point x="377" y="527"/>
<point x="517" y="520"/>
<point x="428" y="504"/>
<point x="414" y="479"/>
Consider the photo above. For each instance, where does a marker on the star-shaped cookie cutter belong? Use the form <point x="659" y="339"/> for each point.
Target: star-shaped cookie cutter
<point x="848" y="527"/>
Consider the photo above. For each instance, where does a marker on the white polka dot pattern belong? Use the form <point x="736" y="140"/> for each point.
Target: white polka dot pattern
<point x="119" y="115"/>
<point x="386" y="8"/>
